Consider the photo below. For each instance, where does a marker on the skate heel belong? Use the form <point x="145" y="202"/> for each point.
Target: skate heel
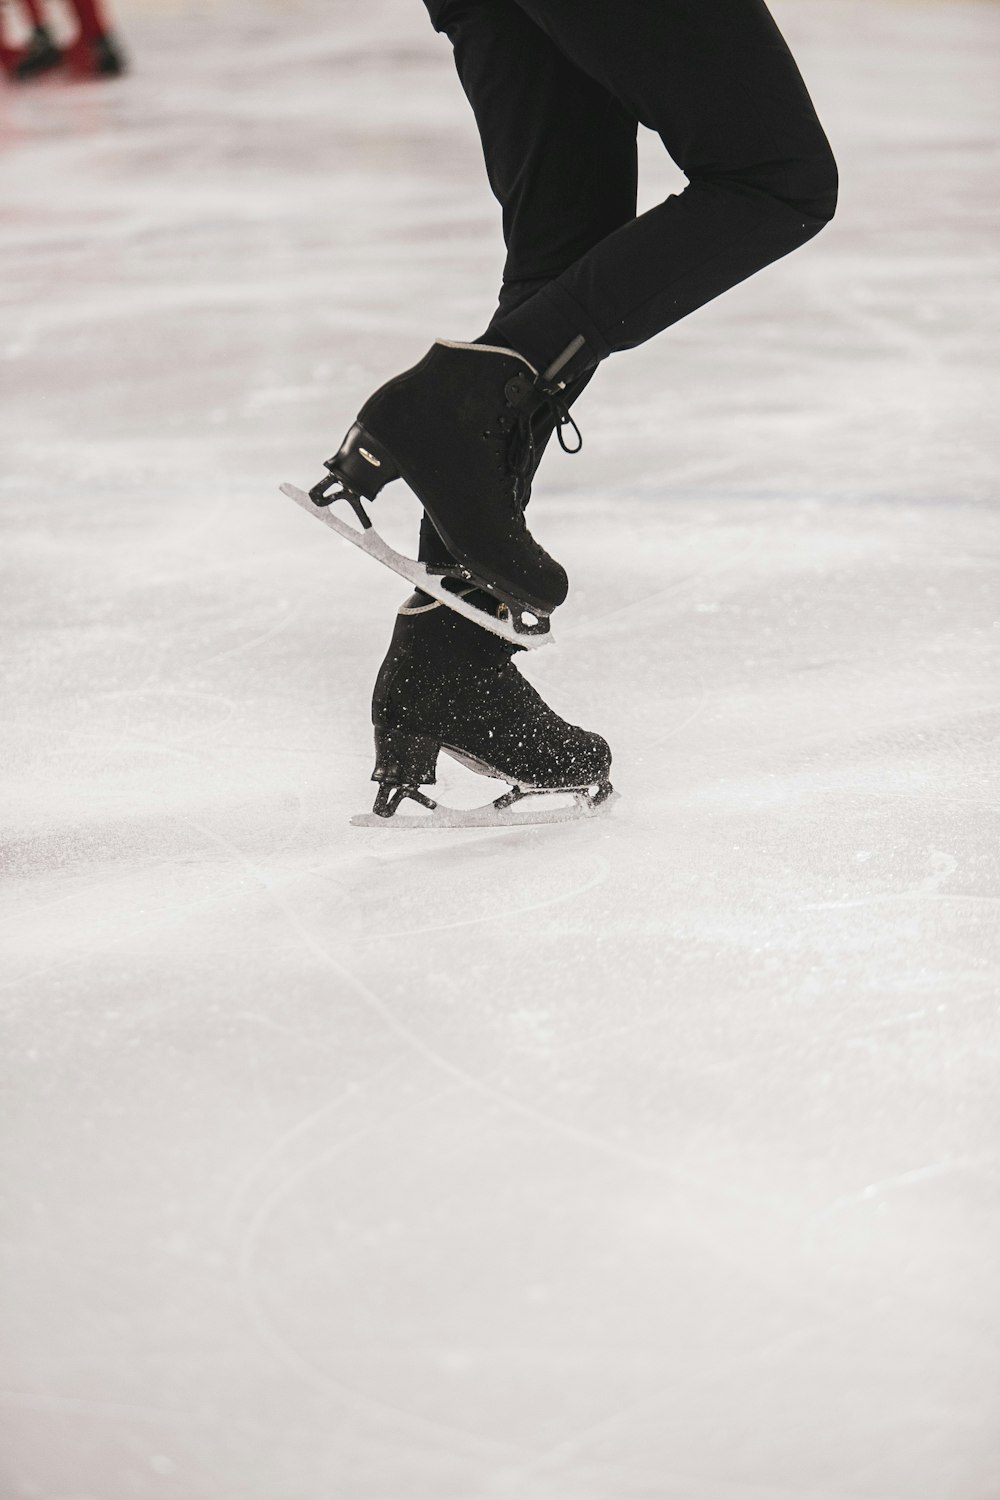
<point x="360" y="464"/>
<point x="403" y="763"/>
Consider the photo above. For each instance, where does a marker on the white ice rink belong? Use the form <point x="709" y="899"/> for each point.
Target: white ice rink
<point x="654" y="1158"/>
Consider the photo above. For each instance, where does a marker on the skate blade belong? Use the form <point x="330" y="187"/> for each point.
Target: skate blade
<point x="491" y="816"/>
<point x="415" y="572"/>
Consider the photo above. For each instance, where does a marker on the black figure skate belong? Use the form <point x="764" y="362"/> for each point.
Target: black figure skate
<point x="447" y="685"/>
<point x="459" y="429"/>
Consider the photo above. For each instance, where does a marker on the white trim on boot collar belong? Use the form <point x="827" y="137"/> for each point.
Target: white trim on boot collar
<point x="424" y="609"/>
<point x="487" y="349"/>
<point x="420" y="609"/>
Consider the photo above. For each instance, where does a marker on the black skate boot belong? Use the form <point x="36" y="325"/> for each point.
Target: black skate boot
<point x="39" y="56"/>
<point x="458" y="427"/>
<point x="446" y="684"/>
<point x="545" y="420"/>
<point x="107" y="59"/>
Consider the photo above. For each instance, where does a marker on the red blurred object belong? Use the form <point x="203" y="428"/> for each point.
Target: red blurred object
<point x="38" y="55"/>
<point x="93" y="53"/>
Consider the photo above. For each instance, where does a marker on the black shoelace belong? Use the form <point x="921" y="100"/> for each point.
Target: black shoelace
<point x="528" y="398"/>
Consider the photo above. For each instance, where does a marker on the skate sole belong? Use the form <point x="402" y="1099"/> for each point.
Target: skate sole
<point x="491" y="816"/>
<point x="415" y="572"/>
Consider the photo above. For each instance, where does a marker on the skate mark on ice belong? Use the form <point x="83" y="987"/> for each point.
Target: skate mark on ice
<point x="299" y="1131"/>
<point x="822" y="1042"/>
<point x="81" y="1406"/>
<point x="56" y="1404"/>
<point x="286" y="1352"/>
<point x="873" y="1192"/>
<point x="941" y="896"/>
<point x="85" y="732"/>
<point x="437" y="1059"/>
<point x="314" y="946"/>
<point x="258" y="640"/>
<point x="599" y="877"/>
<point x="124" y="734"/>
<point x="526" y="1462"/>
<point x="679" y="1176"/>
<point x="938" y="800"/>
<point x="168" y="917"/>
<point x="170" y="914"/>
<point x="183" y="694"/>
<point x="943" y="866"/>
<point x="567" y="1129"/>
<point x="695" y="713"/>
<point x="313" y="1374"/>
<point x="461" y="1080"/>
<point x="598" y="624"/>
<point x="980" y="1165"/>
<point x="696" y="1215"/>
<point x="696" y="1488"/>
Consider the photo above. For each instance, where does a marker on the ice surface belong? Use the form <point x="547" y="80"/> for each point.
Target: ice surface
<point x="647" y="1158"/>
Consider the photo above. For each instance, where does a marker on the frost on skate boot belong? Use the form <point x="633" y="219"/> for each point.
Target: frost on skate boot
<point x="447" y="685"/>
<point x="458" y="428"/>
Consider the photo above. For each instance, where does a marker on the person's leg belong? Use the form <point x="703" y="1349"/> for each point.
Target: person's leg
<point x="559" y="149"/>
<point x="39" y="54"/>
<point x="8" y="54"/>
<point x="560" y="154"/>
<point x="90" y="22"/>
<point x="715" y="79"/>
<point x="96" y="54"/>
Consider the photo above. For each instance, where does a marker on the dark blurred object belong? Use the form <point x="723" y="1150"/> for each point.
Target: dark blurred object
<point x="95" y="53"/>
<point x="40" y="54"/>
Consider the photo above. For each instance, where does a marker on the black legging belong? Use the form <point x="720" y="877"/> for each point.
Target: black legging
<point x="558" y="87"/>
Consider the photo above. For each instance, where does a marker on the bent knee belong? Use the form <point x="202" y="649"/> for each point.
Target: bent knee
<point x="813" y="183"/>
<point x="805" y="183"/>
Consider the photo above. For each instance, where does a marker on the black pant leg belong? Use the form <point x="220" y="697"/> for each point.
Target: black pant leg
<point x="715" y="79"/>
<point x="560" y="154"/>
<point x="560" y="151"/>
